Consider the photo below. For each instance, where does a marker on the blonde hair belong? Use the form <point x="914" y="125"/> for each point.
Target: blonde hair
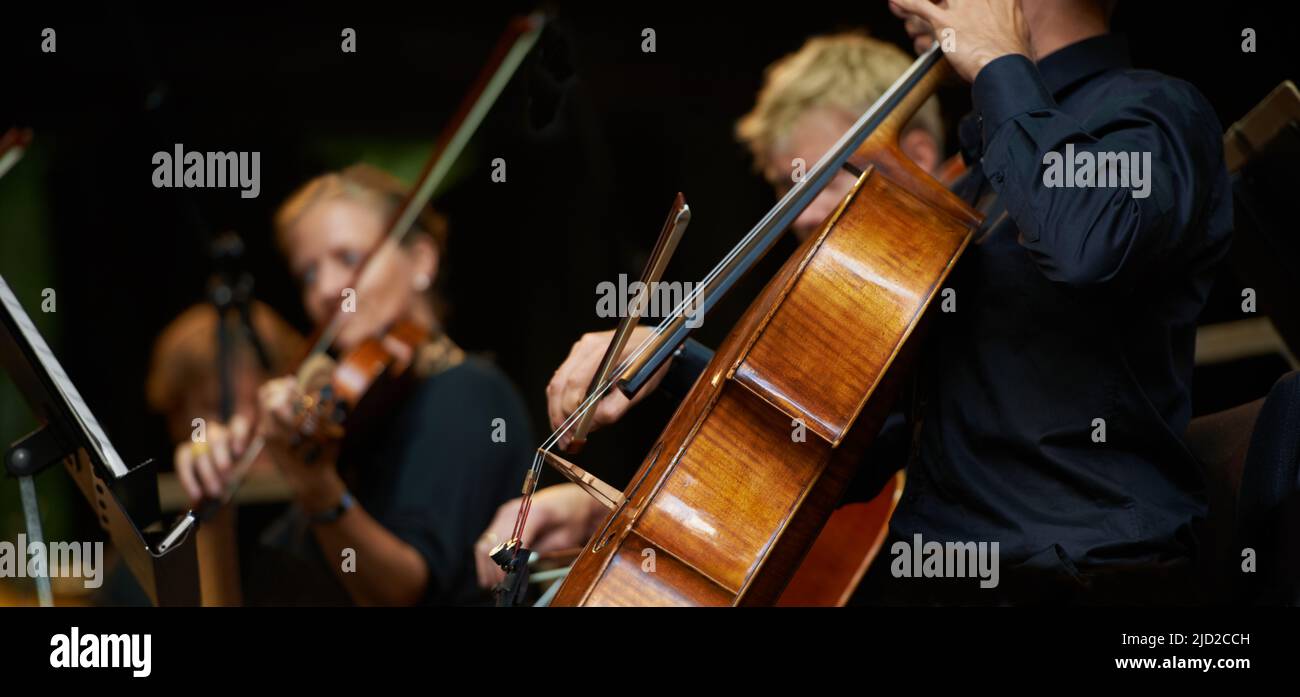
<point x="365" y="184"/>
<point x="847" y="71"/>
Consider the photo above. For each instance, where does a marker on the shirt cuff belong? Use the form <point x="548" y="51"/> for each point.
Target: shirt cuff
<point x="686" y="369"/>
<point x="1008" y="87"/>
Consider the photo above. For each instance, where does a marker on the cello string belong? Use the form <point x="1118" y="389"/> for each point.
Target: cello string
<point x="837" y="152"/>
<point x="534" y="472"/>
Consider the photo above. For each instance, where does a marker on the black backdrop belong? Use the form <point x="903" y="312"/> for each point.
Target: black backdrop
<point x="597" y="136"/>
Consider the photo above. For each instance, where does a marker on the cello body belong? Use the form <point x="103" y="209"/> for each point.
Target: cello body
<point x="745" y="475"/>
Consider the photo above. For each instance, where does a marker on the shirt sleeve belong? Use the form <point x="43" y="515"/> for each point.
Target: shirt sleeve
<point x="1087" y="235"/>
<point x="459" y="465"/>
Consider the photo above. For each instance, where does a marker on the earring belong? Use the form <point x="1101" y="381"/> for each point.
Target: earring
<point x="421" y="282"/>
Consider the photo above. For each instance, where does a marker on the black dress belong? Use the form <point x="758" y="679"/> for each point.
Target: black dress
<point x="433" y="473"/>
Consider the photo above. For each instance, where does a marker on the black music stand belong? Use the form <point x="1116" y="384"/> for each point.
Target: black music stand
<point x="124" y="499"/>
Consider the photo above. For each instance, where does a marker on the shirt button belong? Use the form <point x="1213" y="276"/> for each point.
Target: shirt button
<point x="996" y="177"/>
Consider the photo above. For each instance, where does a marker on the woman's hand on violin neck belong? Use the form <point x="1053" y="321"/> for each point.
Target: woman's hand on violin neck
<point x="568" y="387"/>
<point x="205" y="464"/>
<point x="972" y="33"/>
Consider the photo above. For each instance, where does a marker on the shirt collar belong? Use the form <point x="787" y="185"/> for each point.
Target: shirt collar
<point x="1066" y="67"/>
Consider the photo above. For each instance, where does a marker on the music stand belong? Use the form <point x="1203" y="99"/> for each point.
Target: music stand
<point x="125" y="500"/>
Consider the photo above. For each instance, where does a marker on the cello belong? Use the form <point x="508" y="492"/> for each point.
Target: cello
<point x="852" y="537"/>
<point x="728" y="502"/>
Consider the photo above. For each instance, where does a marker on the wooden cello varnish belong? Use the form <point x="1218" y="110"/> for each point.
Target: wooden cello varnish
<point x="727" y="503"/>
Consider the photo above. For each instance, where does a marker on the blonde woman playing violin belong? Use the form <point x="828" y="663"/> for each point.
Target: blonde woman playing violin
<point x="387" y="516"/>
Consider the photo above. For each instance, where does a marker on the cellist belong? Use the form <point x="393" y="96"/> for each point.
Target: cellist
<point x="809" y="98"/>
<point x="1052" y="400"/>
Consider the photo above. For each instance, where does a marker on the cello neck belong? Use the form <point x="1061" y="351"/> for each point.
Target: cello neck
<point x="885" y="117"/>
<point x="910" y="101"/>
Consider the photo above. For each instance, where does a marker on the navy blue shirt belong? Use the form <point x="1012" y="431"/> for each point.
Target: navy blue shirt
<point x="1053" y="400"/>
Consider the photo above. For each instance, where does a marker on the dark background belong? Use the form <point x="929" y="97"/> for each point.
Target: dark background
<point x="597" y="136"/>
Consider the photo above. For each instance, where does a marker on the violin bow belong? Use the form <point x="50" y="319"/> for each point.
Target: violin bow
<point x="511" y="50"/>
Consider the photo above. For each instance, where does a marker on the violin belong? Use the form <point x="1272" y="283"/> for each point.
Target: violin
<point x="728" y="502"/>
<point x="344" y="395"/>
<point x="357" y="387"/>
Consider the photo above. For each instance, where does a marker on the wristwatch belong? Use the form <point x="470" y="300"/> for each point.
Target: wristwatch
<point x="332" y="514"/>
